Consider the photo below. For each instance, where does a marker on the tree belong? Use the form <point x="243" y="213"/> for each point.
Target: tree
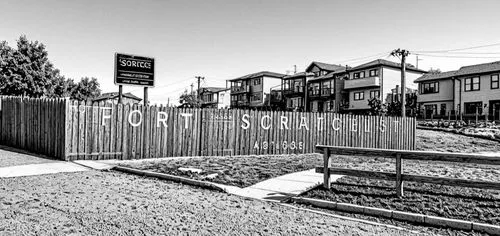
<point x="376" y="106"/>
<point x="434" y="71"/>
<point x="189" y="100"/>
<point x="86" y="89"/>
<point x="394" y="108"/>
<point x="26" y="71"/>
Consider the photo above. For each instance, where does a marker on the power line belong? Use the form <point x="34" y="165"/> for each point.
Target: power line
<point x="454" y="56"/>
<point x="366" y="57"/>
<point x="460" y="49"/>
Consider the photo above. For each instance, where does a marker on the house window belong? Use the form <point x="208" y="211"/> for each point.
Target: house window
<point x="256" y="81"/>
<point x="473" y="107"/>
<point x="472" y="84"/>
<point x="373" y="72"/>
<point x="374" y="94"/>
<point x="359" y="96"/>
<point x="431" y="87"/>
<point x="494" y="81"/>
<point x="359" y="75"/>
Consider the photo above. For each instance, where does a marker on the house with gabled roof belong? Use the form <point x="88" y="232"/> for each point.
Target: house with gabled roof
<point x="254" y="90"/>
<point x="377" y="79"/>
<point x="324" y="87"/>
<point x="215" y="97"/>
<point x="112" y="98"/>
<point x="469" y="91"/>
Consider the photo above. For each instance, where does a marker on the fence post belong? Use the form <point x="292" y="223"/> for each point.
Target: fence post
<point x="326" y="168"/>
<point x="399" y="179"/>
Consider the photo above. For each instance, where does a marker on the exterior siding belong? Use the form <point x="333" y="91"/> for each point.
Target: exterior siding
<point x="485" y="94"/>
<point x="445" y="92"/>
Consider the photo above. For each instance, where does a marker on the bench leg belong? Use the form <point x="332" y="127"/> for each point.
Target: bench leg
<point x="326" y="170"/>
<point x="399" y="179"/>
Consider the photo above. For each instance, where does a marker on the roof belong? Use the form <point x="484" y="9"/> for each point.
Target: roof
<point x="213" y="89"/>
<point x="329" y="75"/>
<point x="479" y="68"/>
<point x="325" y="66"/>
<point x="464" y="70"/>
<point x="114" y="95"/>
<point x="300" y="74"/>
<point x="260" y="74"/>
<point x="436" y="76"/>
<point x="383" y="62"/>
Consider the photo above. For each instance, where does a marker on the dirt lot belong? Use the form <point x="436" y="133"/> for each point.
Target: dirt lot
<point x="104" y="203"/>
<point x="246" y="171"/>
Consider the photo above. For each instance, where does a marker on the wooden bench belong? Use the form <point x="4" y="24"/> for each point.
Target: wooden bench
<point x="399" y="155"/>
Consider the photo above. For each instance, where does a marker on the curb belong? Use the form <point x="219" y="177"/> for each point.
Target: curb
<point x="403" y="216"/>
<point x="203" y="184"/>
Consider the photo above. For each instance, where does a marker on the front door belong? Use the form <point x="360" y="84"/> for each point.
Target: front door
<point x="494" y="109"/>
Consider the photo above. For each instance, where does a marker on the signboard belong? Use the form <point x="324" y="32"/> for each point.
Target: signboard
<point x="134" y="70"/>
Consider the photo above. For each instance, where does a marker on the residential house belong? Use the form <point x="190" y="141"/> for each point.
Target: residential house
<point x="294" y="90"/>
<point x="324" y="88"/>
<point x="379" y="78"/>
<point x="215" y="97"/>
<point x="112" y="98"/>
<point x="254" y="90"/>
<point x="468" y="91"/>
<point x="435" y="94"/>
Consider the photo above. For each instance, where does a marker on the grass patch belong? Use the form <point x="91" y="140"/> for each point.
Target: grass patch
<point x="235" y="171"/>
<point x="470" y="204"/>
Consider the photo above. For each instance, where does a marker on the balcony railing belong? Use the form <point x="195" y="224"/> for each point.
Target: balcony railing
<point x="294" y="90"/>
<point x="327" y="92"/>
<point x="360" y="83"/>
<point x="240" y="89"/>
<point x="313" y="93"/>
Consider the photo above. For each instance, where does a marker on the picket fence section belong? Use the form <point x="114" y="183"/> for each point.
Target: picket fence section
<point x="92" y="131"/>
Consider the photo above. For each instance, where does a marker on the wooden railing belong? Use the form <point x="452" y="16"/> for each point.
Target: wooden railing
<point x="399" y="177"/>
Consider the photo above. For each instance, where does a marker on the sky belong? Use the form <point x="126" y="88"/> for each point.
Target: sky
<point x="226" y="39"/>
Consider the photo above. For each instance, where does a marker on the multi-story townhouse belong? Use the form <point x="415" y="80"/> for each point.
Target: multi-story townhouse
<point x="471" y="90"/>
<point x="379" y="78"/>
<point x="214" y="97"/>
<point x="294" y="92"/>
<point x="324" y="89"/>
<point x="435" y="94"/>
<point x="254" y="90"/>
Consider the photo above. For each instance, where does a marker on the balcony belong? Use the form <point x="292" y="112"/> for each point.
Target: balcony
<point x="295" y="90"/>
<point x="314" y="93"/>
<point x="326" y="92"/>
<point x="361" y="83"/>
<point x="240" y="89"/>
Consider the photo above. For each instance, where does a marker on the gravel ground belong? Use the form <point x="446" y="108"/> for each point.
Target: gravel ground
<point x="15" y="157"/>
<point x="103" y="203"/>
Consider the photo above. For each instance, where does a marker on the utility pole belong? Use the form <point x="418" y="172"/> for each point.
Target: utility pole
<point x="417" y="61"/>
<point x="402" y="53"/>
<point x="199" y="78"/>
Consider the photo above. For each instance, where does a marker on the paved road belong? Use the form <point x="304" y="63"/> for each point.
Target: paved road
<point x="103" y="203"/>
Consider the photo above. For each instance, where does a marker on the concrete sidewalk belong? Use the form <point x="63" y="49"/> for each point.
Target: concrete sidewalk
<point x="282" y="187"/>
<point x="40" y="169"/>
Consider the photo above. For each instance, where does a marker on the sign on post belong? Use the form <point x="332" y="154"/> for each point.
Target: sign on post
<point x="134" y="70"/>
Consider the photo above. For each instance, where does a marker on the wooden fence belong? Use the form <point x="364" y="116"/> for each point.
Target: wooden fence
<point x="36" y="125"/>
<point x="399" y="176"/>
<point x="109" y="131"/>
